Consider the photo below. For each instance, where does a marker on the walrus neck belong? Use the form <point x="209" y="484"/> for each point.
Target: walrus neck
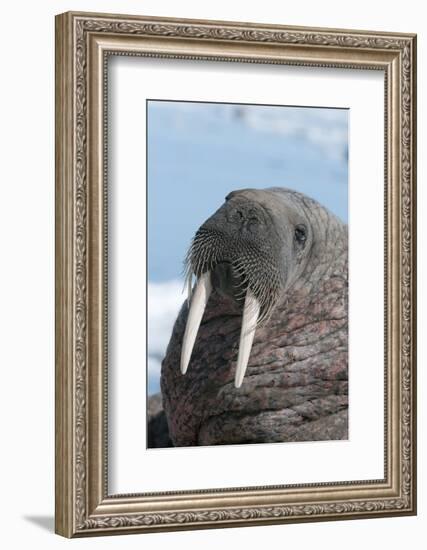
<point x="319" y="298"/>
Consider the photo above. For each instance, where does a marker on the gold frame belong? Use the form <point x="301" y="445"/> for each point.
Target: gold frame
<point x="83" y="42"/>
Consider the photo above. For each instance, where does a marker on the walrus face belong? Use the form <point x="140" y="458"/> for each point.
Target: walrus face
<point x="250" y="250"/>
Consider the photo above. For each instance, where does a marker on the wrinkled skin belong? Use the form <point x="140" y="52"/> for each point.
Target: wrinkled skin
<point x="296" y="383"/>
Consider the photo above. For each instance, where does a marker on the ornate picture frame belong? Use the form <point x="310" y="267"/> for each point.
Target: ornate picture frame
<point x="84" y="42"/>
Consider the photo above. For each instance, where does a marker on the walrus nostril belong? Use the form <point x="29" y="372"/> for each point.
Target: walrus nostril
<point x="244" y="216"/>
<point x="237" y="216"/>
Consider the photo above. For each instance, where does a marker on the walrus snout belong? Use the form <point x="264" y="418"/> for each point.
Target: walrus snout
<point x="236" y="253"/>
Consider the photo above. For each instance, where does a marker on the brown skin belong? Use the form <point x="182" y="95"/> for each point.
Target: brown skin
<point x="296" y="383"/>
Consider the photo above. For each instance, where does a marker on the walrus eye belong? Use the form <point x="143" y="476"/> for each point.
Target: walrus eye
<point x="300" y="234"/>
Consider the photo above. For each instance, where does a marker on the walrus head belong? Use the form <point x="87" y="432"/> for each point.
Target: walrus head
<point x="250" y="250"/>
<point x="270" y="300"/>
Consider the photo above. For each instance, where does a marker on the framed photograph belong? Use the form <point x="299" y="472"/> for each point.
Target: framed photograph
<point x="235" y="274"/>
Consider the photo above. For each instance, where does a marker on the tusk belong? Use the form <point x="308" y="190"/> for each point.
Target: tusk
<point x="198" y="304"/>
<point x="189" y="288"/>
<point x="249" y="321"/>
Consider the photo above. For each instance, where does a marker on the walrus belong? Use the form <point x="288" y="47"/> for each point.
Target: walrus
<point x="259" y="351"/>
